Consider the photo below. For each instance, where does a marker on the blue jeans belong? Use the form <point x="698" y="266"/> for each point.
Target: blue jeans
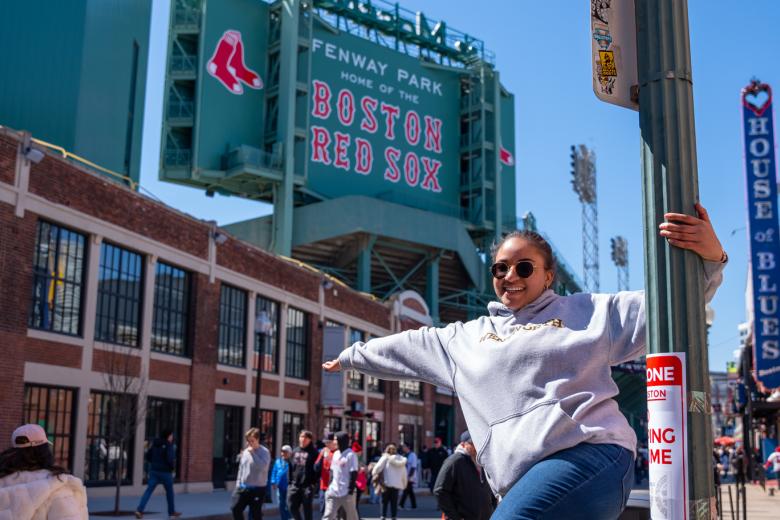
<point x="158" y="477"/>
<point x="283" y="511"/>
<point x="588" y="482"/>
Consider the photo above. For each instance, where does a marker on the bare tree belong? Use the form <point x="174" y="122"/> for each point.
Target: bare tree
<point x="127" y="386"/>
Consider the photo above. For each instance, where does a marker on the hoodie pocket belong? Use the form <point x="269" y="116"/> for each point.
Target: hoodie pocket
<point x="515" y="443"/>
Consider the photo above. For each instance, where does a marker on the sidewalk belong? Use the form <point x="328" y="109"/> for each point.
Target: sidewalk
<point x="216" y="506"/>
<point x="760" y="504"/>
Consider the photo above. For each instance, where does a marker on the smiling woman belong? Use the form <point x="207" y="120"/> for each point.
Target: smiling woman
<point x="533" y="377"/>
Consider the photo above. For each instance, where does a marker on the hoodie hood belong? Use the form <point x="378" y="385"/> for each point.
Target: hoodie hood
<point x="29" y="494"/>
<point x="397" y="460"/>
<point x="527" y="312"/>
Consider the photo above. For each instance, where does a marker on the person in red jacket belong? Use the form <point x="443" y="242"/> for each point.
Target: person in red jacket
<point x="322" y="465"/>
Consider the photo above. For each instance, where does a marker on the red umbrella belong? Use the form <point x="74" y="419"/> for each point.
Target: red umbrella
<point x="725" y="440"/>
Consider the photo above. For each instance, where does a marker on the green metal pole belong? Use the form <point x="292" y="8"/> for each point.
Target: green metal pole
<point x="675" y="297"/>
<point x="283" y="203"/>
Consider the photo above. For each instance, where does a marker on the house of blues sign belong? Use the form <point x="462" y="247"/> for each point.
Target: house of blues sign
<point x="760" y="171"/>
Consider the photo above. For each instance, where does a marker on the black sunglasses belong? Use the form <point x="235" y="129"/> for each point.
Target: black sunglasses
<point x="523" y="269"/>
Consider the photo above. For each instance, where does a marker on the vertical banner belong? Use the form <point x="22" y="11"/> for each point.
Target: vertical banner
<point x="332" y="390"/>
<point x="760" y="173"/>
<point x="667" y="436"/>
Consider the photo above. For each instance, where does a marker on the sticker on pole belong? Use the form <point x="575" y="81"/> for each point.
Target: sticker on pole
<point x="613" y="50"/>
<point x="667" y="438"/>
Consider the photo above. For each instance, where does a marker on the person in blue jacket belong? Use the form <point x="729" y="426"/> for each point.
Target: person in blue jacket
<point x="279" y="480"/>
<point x="161" y="457"/>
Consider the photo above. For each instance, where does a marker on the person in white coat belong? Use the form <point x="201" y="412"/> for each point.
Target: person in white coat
<point x="389" y="475"/>
<point x="32" y="487"/>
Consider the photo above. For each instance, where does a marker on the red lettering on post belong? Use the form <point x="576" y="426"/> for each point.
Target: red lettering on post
<point x="369" y="123"/>
<point x="660" y="456"/>
<point x="391" y="113"/>
<point x="392" y="173"/>
<point x="320" y="100"/>
<point x="346" y="105"/>
<point x="664" y="371"/>
<point x="433" y="134"/>
<point x="658" y="435"/>
<point x="342" y="142"/>
<point x="320" y="139"/>
<point x="364" y="156"/>
<point x="430" y="181"/>
<point x="412" y="169"/>
<point x="412" y="127"/>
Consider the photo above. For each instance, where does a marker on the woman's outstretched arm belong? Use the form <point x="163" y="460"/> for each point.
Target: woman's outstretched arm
<point x="414" y="354"/>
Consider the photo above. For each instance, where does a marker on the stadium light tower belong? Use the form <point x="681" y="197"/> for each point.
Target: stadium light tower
<point x="583" y="169"/>
<point x="620" y="258"/>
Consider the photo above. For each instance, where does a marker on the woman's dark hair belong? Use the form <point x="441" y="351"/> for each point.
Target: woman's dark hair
<point x="534" y="239"/>
<point x="14" y="460"/>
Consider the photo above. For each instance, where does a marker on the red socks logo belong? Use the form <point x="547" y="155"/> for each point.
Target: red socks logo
<point x="507" y="157"/>
<point x="227" y="64"/>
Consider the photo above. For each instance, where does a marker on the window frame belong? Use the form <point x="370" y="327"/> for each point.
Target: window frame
<point x="113" y="308"/>
<point x="268" y="360"/>
<point x="91" y="416"/>
<point x="38" y="274"/>
<point x="228" y="332"/>
<point x="355" y="380"/>
<point x="296" y="351"/>
<point x="290" y="436"/>
<point x="61" y="418"/>
<point x="169" y="312"/>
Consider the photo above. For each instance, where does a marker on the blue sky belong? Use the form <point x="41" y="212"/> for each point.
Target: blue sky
<point x="542" y="51"/>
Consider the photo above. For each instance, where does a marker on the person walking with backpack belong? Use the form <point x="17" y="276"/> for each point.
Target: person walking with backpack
<point x="461" y="488"/>
<point x="389" y="477"/>
<point x="252" y="477"/>
<point x="33" y="486"/>
<point x="161" y="457"/>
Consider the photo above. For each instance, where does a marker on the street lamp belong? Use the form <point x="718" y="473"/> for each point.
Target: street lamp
<point x="263" y="326"/>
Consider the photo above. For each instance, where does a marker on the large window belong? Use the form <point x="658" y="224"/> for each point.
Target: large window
<point x="120" y="281"/>
<point x="355" y="430"/>
<point x="232" y="326"/>
<point x="228" y="440"/>
<point x="373" y="439"/>
<point x="297" y="343"/>
<point x="410" y="390"/>
<point x="331" y="425"/>
<point x="355" y="378"/>
<point x="164" y="415"/>
<point x="105" y="452"/>
<point x="54" y="409"/>
<point x="373" y="383"/>
<point x="171" y="309"/>
<point x="267" y="334"/>
<point x="268" y="426"/>
<point x="292" y="424"/>
<point x="58" y="279"/>
<point x="407" y="435"/>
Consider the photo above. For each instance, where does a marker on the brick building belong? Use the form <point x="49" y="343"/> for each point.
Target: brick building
<point x="95" y="276"/>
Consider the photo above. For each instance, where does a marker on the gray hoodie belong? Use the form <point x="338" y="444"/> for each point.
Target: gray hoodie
<point x="531" y="382"/>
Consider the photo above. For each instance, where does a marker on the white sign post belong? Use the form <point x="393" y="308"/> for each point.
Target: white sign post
<point x="613" y="46"/>
<point x="667" y="436"/>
